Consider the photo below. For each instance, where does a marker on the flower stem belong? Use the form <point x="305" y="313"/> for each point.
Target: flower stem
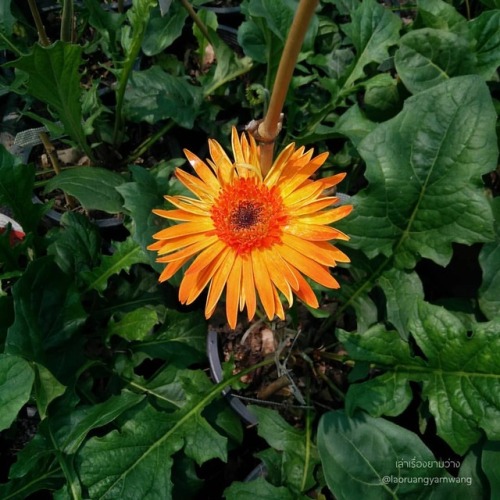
<point x="67" y="21"/>
<point x="196" y="19"/>
<point x="40" y="28"/>
<point x="270" y="127"/>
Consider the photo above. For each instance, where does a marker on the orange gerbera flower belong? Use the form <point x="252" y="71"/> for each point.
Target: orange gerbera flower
<point x="253" y="235"/>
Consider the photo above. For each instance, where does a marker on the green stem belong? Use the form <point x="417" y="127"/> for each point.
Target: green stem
<point x="145" y="145"/>
<point x="12" y="47"/>
<point x="270" y="126"/>
<point x="196" y="19"/>
<point x="67" y="21"/>
<point x="40" y="28"/>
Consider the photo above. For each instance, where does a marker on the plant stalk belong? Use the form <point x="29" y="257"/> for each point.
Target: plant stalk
<point x="67" y="21"/>
<point x="270" y="127"/>
<point x="196" y="19"/>
<point x="40" y="28"/>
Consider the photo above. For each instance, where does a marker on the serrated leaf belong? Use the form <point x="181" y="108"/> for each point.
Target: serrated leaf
<point x="360" y="454"/>
<point x="136" y="462"/>
<point x="135" y="325"/>
<point x="76" y="244"/>
<point x="16" y="381"/>
<point x="372" y="30"/>
<point x="93" y="187"/>
<point x="427" y="57"/>
<point x="424" y="167"/>
<point x="163" y="30"/>
<point x="153" y="95"/>
<point x="403" y="291"/>
<point x="54" y="79"/>
<point x="486" y="30"/>
<point x="299" y="455"/>
<point x="126" y="254"/>
<point x="459" y="374"/>
<point x="48" y="316"/>
<point x="260" y="489"/>
<point x="489" y="257"/>
<point x="16" y="190"/>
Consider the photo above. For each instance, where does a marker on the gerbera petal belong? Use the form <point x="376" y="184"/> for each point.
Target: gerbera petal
<point x="203" y="260"/>
<point x="236" y="145"/>
<point x="328" y="216"/>
<point x="313" y="206"/>
<point x="194" y="283"/>
<point x="171" y="269"/>
<point x="304" y="291"/>
<point x="279" y="165"/>
<point x="183" y="229"/>
<point x="329" y="182"/>
<point x="314" y="232"/>
<point x="303" y="194"/>
<point x="248" y="286"/>
<point x="190" y="250"/>
<point x="297" y="178"/>
<point x="263" y="283"/>
<point x="195" y="185"/>
<point x="278" y="306"/>
<point x="232" y="293"/>
<point x="182" y="215"/>
<point x="202" y="169"/>
<point x="307" y="266"/>
<point x="218" y="282"/>
<point x="320" y="251"/>
<point x="167" y="246"/>
<point x="221" y="161"/>
<point x="189" y="204"/>
<point x="278" y="277"/>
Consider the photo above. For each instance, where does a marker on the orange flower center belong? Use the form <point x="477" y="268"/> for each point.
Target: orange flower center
<point x="248" y="215"/>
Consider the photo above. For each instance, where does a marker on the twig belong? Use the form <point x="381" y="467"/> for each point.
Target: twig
<point x="40" y="28"/>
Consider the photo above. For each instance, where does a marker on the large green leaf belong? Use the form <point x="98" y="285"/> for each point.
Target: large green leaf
<point x="154" y="95"/>
<point x="427" y="57"/>
<point x="134" y="325"/>
<point x="48" y="318"/>
<point x="126" y="254"/>
<point x="489" y="293"/>
<point x="459" y="374"/>
<point x="16" y="190"/>
<point x="93" y="187"/>
<point x="486" y="30"/>
<point x="54" y="79"/>
<point x="372" y="30"/>
<point x="489" y="461"/>
<point x="260" y="489"/>
<point x="365" y="457"/>
<point x="424" y="170"/>
<point x="76" y="244"/>
<point x="297" y="452"/>
<point x="136" y="461"/>
<point x="16" y="381"/>
<point x="46" y="389"/>
<point x="163" y="30"/>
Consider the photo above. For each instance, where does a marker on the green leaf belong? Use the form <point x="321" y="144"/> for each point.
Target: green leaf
<point x="154" y="95"/>
<point x="181" y="338"/>
<point x="259" y="488"/>
<point x="107" y="23"/>
<point x="16" y="380"/>
<point x="126" y="254"/>
<point x="458" y="375"/>
<point x="489" y="292"/>
<point x="136" y="461"/>
<point x="54" y="79"/>
<point x="427" y="57"/>
<point x="48" y="316"/>
<point x="163" y="30"/>
<point x="424" y="170"/>
<point x="486" y="30"/>
<point x="372" y="30"/>
<point x="76" y="244"/>
<point x="403" y="291"/>
<point x="364" y="457"/>
<point x="16" y="190"/>
<point x="46" y="389"/>
<point x="93" y="187"/>
<point x="440" y="14"/>
<point x="489" y="462"/>
<point x="135" y="325"/>
<point x="7" y="21"/>
<point x="299" y="455"/>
